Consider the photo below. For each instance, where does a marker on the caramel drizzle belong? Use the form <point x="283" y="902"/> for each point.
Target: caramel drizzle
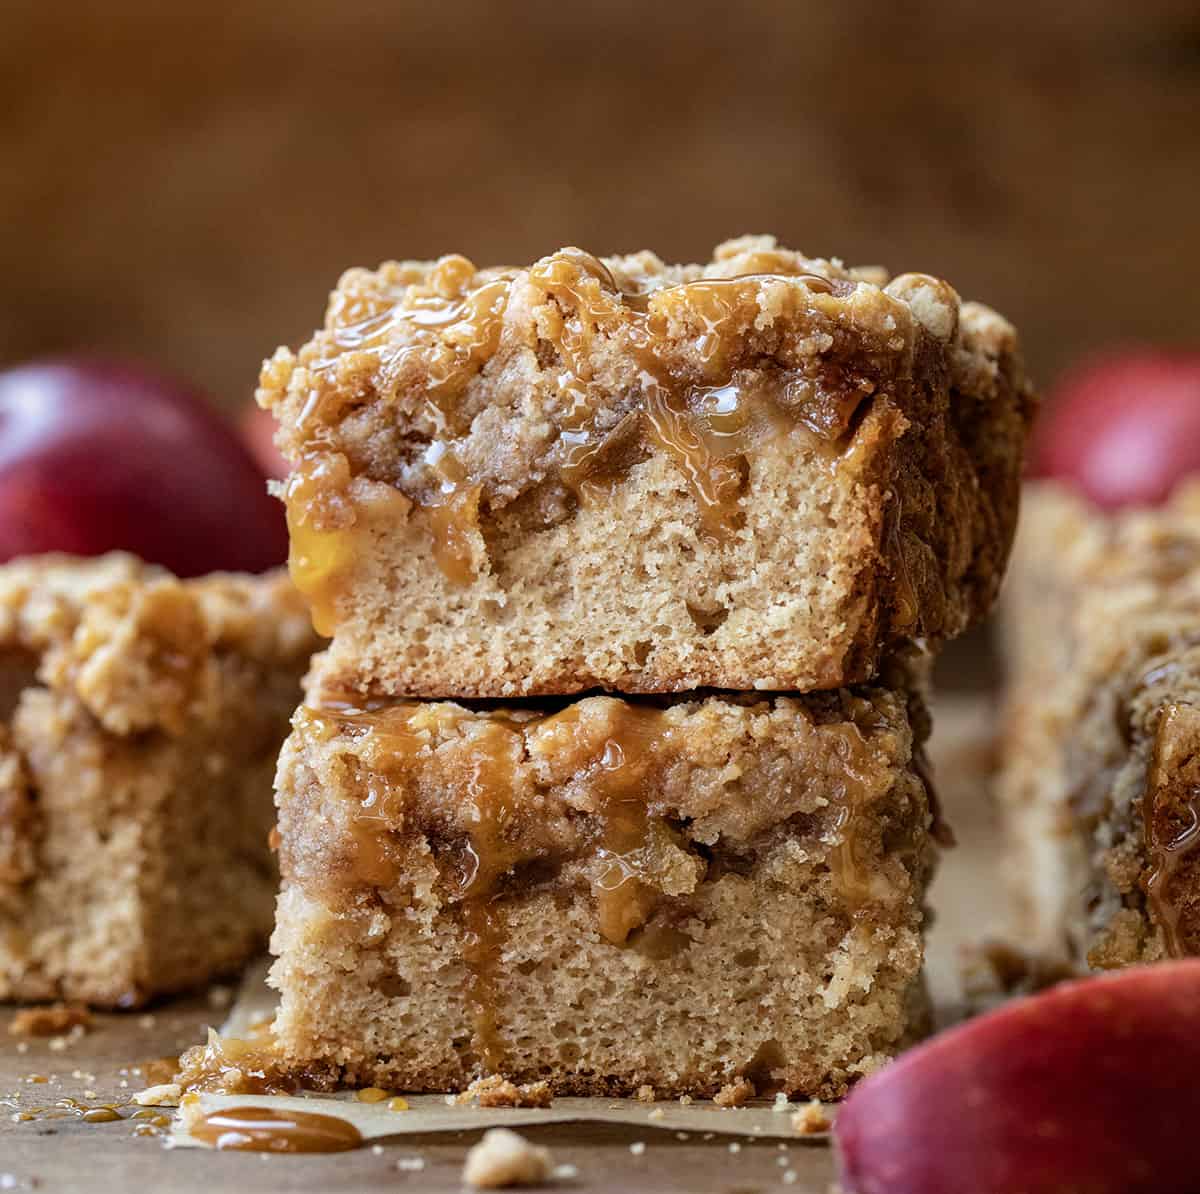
<point x="854" y="880"/>
<point x="618" y="775"/>
<point x="1168" y="851"/>
<point x="706" y="426"/>
<point x="270" y="1130"/>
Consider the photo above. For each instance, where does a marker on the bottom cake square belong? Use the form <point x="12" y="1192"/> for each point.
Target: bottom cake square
<point x="606" y="895"/>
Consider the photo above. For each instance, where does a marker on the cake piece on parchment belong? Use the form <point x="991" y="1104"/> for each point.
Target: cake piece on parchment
<point x="606" y="894"/>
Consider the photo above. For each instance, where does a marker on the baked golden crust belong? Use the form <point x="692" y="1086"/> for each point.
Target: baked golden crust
<point x="760" y="473"/>
<point x="1099" y="786"/>
<point x="613" y="894"/>
<point x="141" y="719"/>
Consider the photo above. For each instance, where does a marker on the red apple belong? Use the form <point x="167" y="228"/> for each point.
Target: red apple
<point x="1091" y="1087"/>
<point x="96" y="456"/>
<point x="258" y="432"/>
<point x="1125" y="429"/>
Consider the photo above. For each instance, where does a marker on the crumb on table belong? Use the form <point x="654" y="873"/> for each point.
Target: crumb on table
<point x="503" y="1158"/>
<point x="495" y="1091"/>
<point x="53" y="1020"/>
<point x="734" y="1094"/>
<point x="810" y="1120"/>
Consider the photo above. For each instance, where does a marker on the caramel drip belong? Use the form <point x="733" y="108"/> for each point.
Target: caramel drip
<point x="454" y="514"/>
<point x="394" y="745"/>
<point x="270" y="1130"/>
<point x="321" y="551"/>
<point x="236" y="1065"/>
<point x="853" y="877"/>
<point x="615" y="762"/>
<point x="620" y="781"/>
<point x="707" y="428"/>
<point x="454" y="329"/>
<point x="1171" y="825"/>
<point x="492" y="852"/>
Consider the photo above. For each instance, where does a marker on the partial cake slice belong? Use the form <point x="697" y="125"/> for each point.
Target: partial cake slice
<point x="760" y="473"/>
<point x="1100" y="785"/>
<point x="140" y="720"/>
<point x="604" y="895"/>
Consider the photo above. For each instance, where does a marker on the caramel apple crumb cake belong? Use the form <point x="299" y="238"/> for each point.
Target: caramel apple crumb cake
<point x="1101" y="783"/>
<point x="140" y="719"/>
<point x="762" y="473"/>
<point x="603" y="895"/>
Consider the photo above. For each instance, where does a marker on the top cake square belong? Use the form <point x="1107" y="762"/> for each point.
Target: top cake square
<point x="765" y="472"/>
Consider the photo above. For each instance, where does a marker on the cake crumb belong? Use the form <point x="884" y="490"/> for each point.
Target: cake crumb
<point x="645" y="1094"/>
<point x="735" y="1147"/>
<point x="685" y="1100"/>
<point x="503" y="1158"/>
<point x="656" y="1113"/>
<point x="55" y="1020"/>
<point x="495" y="1091"/>
<point x="781" y="1103"/>
<point x="410" y="1164"/>
<point x="811" y="1119"/>
<point x="734" y="1094"/>
<point x="638" y="1147"/>
<point x="166" y="1094"/>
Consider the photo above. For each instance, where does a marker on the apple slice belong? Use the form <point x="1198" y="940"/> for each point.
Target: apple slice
<point x="1092" y="1087"/>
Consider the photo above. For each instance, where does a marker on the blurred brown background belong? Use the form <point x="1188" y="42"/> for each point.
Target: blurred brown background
<point x="184" y="183"/>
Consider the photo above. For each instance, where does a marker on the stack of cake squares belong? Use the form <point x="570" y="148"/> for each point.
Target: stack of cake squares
<point x="611" y="774"/>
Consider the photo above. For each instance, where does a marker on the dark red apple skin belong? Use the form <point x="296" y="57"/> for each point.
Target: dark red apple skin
<point x="97" y="456"/>
<point x="1124" y="430"/>
<point x="258" y="431"/>
<point x="1092" y="1087"/>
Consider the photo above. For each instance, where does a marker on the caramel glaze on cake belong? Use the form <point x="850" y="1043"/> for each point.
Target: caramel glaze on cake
<point x="759" y="473"/>
<point x="458" y="881"/>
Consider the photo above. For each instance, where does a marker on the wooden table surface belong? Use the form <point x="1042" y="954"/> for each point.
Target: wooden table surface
<point x="68" y="1155"/>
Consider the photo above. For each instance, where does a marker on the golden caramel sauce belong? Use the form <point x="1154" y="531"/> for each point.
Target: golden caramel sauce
<point x="70" y="1108"/>
<point x="1171" y="823"/>
<point x="454" y="514"/>
<point x="320" y="551"/>
<point x="617" y="760"/>
<point x="706" y="428"/>
<point x="492" y="851"/>
<point x="270" y="1130"/>
<point x="853" y="876"/>
<point x="622" y="769"/>
<point x="236" y="1065"/>
<point x="454" y="326"/>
